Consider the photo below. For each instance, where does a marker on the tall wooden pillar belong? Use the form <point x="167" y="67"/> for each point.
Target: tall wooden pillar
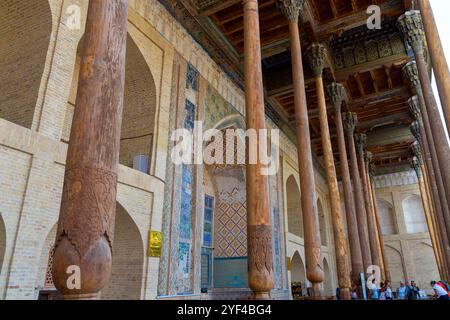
<point x="361" y="140"/>
<point x="440" y="66"/>
<point x="350" y="121"/>
<point x="259" y="229"/>
<point x="417" y="164"/>
<point x="385" y="258"/>
<point x="424" y="130"/>
<point x="316" y="57"/>
<point x="411" y="26"/>
<point x="336" y="93"/>
<point x="86" y="223"/>
<point x="314" y="268"/>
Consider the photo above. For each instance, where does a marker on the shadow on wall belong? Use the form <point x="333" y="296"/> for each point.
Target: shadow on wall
<point x="22" y="68"/>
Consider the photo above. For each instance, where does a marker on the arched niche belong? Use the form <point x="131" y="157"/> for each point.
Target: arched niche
<point x="322" y="223"/>
<point x="126" y="278"/>
<point x="328" y="282"/>
<point x="396" y="265"/>
<point x="298" y="274"/>
<point x="414" y="215"/>
<point x="25" y="31"/>
<point x="425" y="264"/>
<point x="386" y="215"/>
<point x="294" y="209"/>
<point x="139" y="107"/>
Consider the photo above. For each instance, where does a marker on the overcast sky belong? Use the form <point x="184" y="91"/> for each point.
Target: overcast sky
<point x="441" y="8"/>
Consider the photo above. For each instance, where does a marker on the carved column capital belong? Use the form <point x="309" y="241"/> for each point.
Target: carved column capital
<point x="417" y="151"/>
<point x="416" y="165"/>
<point x="368" y="158"/>
<point x="315" y="56"/>
<point x="415" y="130"/>
<point x="372" y="170"/>
<point x="415" y="109"/>
<point x="411" y="73"/>
<point x="337" y="94"/>
<point x="350" y="120"/>
<point x="410" y="24"/>
<point x="290" y="8"/>
<point x="360" y="141"/>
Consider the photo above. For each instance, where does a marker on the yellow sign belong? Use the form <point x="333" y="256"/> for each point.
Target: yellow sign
<point x="155" y="244"/>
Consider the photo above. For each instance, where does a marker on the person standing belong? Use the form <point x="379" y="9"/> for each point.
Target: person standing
<point x="439" y="290"/>
<point x="401" y="291"/>
<point x="412" y="291"/>
<point x="388" y="290"/>
<point x="374" y="293"/>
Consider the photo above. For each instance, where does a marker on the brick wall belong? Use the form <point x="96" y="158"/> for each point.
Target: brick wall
<point x="128" y="260"/>
<point x="25" y="28"/>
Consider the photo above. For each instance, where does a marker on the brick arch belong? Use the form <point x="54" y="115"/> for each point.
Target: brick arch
<point x="126" y="278"/>
<point x="2" y="242"/>
<point x="328" y="281"/>
<point x="26" y="28"/>
<point x="415" y="219"/>
<point x="294" y="208"/>
<point x="139" y="107"/>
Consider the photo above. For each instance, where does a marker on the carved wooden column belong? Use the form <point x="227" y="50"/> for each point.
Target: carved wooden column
<point x="361" y="140"/>
<point x="411" y="26"/>
<point x="316" y="57"/>
<point x="350" y="121"/>
<point x="439" y="213"/>
<point x="440" y="66"/>
<point x="86" y="222"/>
<point x="336" y="93"/>
<point x="416" y="164"/>
<point x="424" y="130"/>
<point x="259" y="230"/>
<point x="314" y="268"/>
<point x="385" y="258"/>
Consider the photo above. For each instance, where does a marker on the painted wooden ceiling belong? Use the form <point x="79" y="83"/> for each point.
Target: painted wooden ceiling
<point x="367" y="62"/>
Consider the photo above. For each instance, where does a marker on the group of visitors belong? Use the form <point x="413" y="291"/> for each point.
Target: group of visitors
<point x="408" y="291"/>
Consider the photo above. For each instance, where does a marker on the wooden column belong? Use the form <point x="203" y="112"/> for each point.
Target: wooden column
<point x="86" y="222"/>
<point x="423" y="129"/>
<point x="440" y="66"/>
<point x="361" y="140"/>
<point x="350" y="121"/>
<point x="336" y="93"/>
<point x="259" y="229"/>
<point x="416" y="164"/>
<point x="411" y="26"/>
<point x="316" y="56"/>
<point x="387" y="269"/>
<point x="314" y="268"/>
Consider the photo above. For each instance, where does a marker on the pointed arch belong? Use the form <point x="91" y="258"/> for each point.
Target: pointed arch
<point x="22" y="63"/>
<point x="415" y="219"/>
<point x="328" y="282"/>
<point x="139" y="108"/>
<point x="387" y="219"/>
<point x="126" y="278"/>
<point x="294" y="209"/>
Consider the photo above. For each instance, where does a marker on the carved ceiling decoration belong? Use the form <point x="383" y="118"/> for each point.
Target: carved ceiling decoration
<point x="367" y="62"/>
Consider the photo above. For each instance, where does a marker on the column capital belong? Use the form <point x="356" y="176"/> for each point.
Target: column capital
<point x="315" y="56"/>
<point x="350" y="121"/>
<point x="290" y="8"/>
<point x="415" y="130"/>
<point x="415" y="109"/>
<point x="417" y="151"/>
<point x="337" y="94"/>
<point x="360" y="141"/>
<point x="368" y="158"/>
<point x="410" y="24"/>
<point x="372" y="169"/>
<point x="411" y="73"/>
<point x="416" y="165"/>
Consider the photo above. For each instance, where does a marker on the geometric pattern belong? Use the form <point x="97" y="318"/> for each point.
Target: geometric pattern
<point x="231" y="225"/>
